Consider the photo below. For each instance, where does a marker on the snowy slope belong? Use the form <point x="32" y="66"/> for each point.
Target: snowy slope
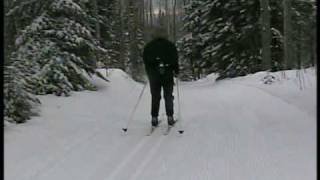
<point x="236" y="129"/>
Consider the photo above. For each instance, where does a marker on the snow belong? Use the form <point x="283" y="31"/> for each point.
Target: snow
<point x="236" y="128"/>
<point x="68" y="3"/>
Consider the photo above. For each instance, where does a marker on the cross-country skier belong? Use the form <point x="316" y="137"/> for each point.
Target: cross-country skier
<point x="160" y="57"/>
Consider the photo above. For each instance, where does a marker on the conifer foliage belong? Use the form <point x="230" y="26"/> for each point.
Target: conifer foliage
<point x="225" y="37"/>
<point x="55" y="54"/>
<point x="18" y="100"/>
<point x="63" y="48"/>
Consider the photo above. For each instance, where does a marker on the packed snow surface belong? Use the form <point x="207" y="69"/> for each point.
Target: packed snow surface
<point x="235" y="129"/>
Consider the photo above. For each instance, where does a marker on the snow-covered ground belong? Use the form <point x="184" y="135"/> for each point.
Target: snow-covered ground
<point x="235" y="129"/>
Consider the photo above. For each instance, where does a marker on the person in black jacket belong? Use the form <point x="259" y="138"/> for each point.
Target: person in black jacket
<point x="160" y="57"/>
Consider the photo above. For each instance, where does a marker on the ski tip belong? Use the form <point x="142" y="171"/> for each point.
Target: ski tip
<point x="125" y="129"/>
<point x="181" y="131"/>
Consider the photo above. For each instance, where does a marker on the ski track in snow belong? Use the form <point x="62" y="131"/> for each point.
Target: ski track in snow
<point x="147" y="159"/>
<point x="233" y="130"/>
<point x="59" y="159"/>
<point x="120" y="168"/>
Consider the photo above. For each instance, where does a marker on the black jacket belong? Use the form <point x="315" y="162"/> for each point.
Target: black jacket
<point x="164" y="50"/>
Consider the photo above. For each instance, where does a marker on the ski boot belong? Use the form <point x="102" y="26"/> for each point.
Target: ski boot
<point x="154" y="121"/>
<point x="171" y="121"/>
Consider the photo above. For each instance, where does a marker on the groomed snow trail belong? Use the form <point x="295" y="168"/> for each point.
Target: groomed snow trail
<point x="235" y="129"/>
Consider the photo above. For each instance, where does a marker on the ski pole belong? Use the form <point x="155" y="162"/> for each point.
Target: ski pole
<point x="125" y="129"/>
<point x="179" y="107"/>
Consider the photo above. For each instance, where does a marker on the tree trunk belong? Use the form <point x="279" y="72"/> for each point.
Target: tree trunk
<point x="299" y="50"/>
<point x="167" y="17"/>
<point x="97" y="27"/>
<point x="143" y="17"/>
<point x="313" y="48"/>
<point x="6" y="32"/>
<point x="288" y="58"/>
<point x="96" y="14"/>
<point x="174" y="20"/>
<point x="160" y="10"/>
<point x="266" y="34"/>
<point x="146" y="13"/>
<point x="151" y="12"/>
<point x="122" y="44"/>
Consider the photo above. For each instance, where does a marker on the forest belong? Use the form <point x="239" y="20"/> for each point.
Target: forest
<point x="55" y="46"/>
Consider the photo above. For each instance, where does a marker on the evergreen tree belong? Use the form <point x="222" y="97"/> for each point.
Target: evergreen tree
<point x="233" y="45"/>
<point x="184" y="46"/>
<point x="135" y="62"/>
<point x="303" y="37"/>
<point x="276" y="13"/>
<point x="53" y="54"/>
<point x="111" y="33"/>
<point x="63" y="48"/>
<point x="226" y="37"/>
<point x="191" y="44"/>
<point x="18" y="101"/>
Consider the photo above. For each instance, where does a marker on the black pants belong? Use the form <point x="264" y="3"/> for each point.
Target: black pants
<point x="156" y="84"/>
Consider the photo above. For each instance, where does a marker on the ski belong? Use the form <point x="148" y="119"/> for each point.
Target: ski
<point x="169" y="127"/>
<point x="167" y="130"/>
<point x="153" y="128"/>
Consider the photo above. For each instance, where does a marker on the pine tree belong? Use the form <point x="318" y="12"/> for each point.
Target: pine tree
<point x="191" y="44"/>
<point x="111" y="33"/>
<point x="277" y="35"/>
<point x="184" y="46"/>
<point x="266" y="34"/>
<point x="135" y="63"/>
<point x="226" y="37"/>
<point x="63" y="48"/>
<point x="303" y="37"/>
<point x="53" y="53"/>
<point x="18" y="101"/>
<point x="234" y="38"/>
